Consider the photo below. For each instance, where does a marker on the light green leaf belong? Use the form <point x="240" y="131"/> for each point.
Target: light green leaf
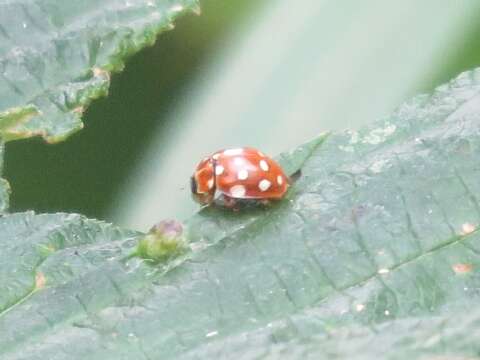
<point x="57" y="56"/>
<point x="373" y="254"/>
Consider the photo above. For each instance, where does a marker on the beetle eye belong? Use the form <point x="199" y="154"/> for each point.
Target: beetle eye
<point x="193" y="185"/>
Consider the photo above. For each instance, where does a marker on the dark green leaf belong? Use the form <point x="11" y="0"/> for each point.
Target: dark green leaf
<point x="373" y="254"/>
<point x="4" y="186"/>
<point x="57" y="56"/>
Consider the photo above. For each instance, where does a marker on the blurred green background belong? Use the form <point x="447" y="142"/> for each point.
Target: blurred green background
<point x="271" y="74"/>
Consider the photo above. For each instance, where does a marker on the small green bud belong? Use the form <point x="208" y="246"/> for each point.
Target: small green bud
<point x="164" y="240"/>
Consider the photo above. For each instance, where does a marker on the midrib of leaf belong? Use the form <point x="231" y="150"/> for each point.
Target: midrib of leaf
<point x="449" y="242"/>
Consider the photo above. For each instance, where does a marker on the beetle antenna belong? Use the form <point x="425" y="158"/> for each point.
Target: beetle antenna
<point x="193" y="185"/>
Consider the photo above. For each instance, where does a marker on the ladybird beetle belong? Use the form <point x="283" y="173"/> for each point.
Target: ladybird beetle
<point x="242" y="173"/>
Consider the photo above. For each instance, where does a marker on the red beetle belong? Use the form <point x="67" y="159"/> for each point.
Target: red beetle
<point x="241" y="173"/>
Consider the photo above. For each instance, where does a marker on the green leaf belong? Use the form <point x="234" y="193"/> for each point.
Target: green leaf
<point x="373" y="254"/>
<point x="4" y="186"/>
<point x="57" y="56"/>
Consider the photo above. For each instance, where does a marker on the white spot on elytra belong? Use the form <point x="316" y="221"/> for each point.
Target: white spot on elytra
<point x="219" y="169"/>
<point x="233" y="151"/>
<point x="237" y="191"/>
<point x="279" y="179"/>
<point x="264" y="165"/>
<point x="239" y="161"/>
<point x="242" y="174"/>
<point x="210" y="183"/>
<point x="264" y="185"/>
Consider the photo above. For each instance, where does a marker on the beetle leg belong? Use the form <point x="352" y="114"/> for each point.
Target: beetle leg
<point x="265" y="202"/>
<point x="229" y="202"/>
<point x="294" y="177"/>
